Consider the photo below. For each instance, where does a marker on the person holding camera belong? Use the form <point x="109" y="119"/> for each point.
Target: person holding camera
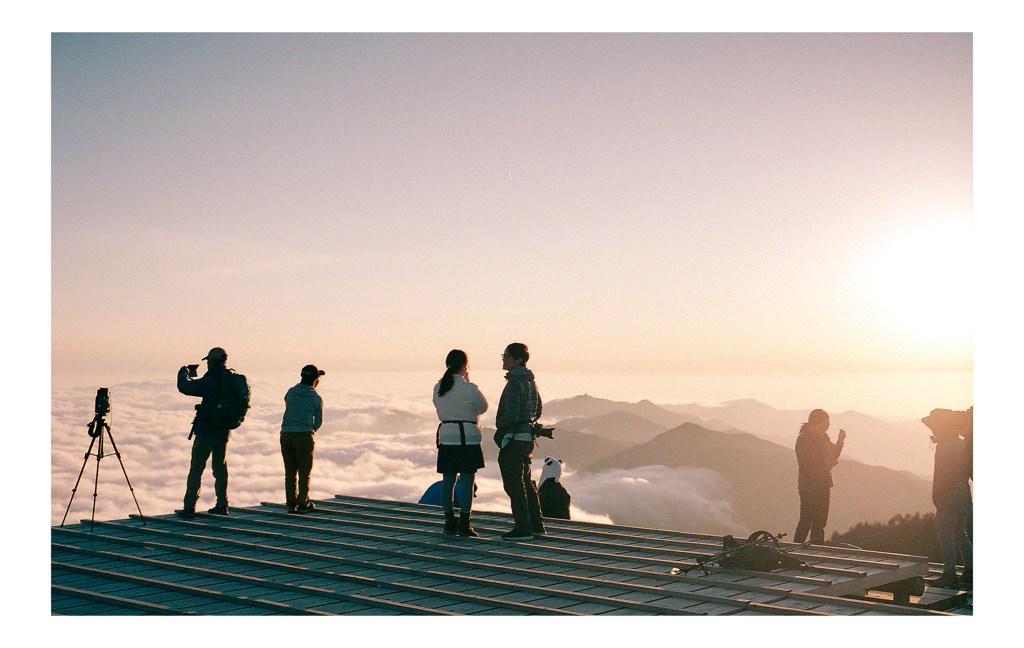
<point x="519" y="407"/>
<point x="459" y="404"/>
<point x="303" y="415"/>
<point x="210" y="439"/>
<point x="816" y="455"/>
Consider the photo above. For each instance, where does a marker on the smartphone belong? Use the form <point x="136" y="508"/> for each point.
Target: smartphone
<point x="193" y="371"/>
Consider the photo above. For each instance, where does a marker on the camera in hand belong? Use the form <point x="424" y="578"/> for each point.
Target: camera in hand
<point x="193" y="370"/>
<point x="539" y="430"/>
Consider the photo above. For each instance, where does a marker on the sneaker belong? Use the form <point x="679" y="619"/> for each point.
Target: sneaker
<point x="186" y="514"/>
<point x="517" y="534"/>
<point x="291" y="509"/>
<point x="218" y="510"/>
<point x="308" y="508"/>
<point x="539" y="531"/>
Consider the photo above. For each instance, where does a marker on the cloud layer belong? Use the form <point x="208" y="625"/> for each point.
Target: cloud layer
<point x="367" y="447"/>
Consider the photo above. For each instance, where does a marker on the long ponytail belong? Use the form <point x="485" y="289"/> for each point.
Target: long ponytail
<point x="455" y="361"/>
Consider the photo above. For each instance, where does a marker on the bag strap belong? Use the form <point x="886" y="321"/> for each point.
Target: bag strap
<point x="462" y="431"/>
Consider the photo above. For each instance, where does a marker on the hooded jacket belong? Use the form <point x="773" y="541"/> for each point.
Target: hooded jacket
<point x="519" y="404"/>
<point x="303" y="410"/>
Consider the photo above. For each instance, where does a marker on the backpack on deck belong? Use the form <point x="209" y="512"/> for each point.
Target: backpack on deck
<point x="234" y="401"/>
<point x="757" y="557"/>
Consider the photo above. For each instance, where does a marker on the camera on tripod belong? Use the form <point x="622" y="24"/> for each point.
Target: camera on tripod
<point x="102" y="401"/>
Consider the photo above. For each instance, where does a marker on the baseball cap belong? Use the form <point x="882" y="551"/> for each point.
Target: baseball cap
<point x="217" y="354"/>
<point x="312" y="371"/>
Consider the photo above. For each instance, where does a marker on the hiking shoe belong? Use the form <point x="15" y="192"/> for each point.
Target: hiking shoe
<point x="186" y="514"/>
<point x="308" y="508"/>
<point x="946" y="581"/>
<point x="517" y="534"/>
<point x="218" y="510"/>
<point x="966" y="578"/>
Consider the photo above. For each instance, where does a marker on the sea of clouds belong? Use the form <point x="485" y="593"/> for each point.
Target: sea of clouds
<point x="368" y="446"/>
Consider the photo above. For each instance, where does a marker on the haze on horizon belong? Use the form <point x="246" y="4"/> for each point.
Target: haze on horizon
<point x="765" y="208"/>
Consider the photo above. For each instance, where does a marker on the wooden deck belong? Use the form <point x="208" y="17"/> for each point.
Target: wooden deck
<point x="361" y="556"/>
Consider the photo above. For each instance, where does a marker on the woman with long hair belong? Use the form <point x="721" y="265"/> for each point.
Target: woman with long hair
<point x="815" y="455"/>
<point x="459" y="404"/>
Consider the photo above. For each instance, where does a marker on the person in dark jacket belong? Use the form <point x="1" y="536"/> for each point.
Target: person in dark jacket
<point x="303" y="416"/>
<point x="210" y="440"/>
<point x="815" y="455"/>
<point x="519" y="407"/>
<point x="951" y="493"/>
<point x="554" y="499"/>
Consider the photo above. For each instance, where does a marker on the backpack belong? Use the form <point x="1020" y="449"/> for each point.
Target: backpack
<point x="757" y="557"/>
<point x="234" y="401"/>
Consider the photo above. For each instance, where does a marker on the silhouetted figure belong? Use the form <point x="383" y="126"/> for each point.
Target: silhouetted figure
<point x="554" y="499"/>
<point x="520" y="406"/>
<point x="951" y="493"/>
<point x="815" y="455"/>
<point x="303" y="416"/>
<point x="459" y="404"/>
<point x="210" y="440"/>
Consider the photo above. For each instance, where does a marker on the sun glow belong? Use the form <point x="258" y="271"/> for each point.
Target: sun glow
<point x="923" y="281"/>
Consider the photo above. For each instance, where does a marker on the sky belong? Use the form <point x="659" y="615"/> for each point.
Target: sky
<point x="686" y="216"/>
<point x="775" y="210"/>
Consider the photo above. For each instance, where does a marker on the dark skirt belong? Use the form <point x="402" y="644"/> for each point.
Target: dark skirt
<point x="459" y="458"/>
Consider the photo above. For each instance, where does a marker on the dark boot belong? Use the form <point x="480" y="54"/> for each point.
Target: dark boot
<point x="451" y="527"/>
<point x="466" y="527"/>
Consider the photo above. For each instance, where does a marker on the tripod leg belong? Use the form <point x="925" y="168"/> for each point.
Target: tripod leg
<point x="118" y="455"/>
<point x="96" y="484"/>
<point x="80" y="472"/>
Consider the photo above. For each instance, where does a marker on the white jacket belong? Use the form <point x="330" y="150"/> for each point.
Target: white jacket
<point x="463" y="402"/>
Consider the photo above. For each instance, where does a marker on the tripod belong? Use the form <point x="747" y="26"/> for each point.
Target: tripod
<point x="96" y="429"/>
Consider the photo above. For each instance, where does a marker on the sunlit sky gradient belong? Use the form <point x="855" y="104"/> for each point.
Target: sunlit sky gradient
<point x="750" y="205"/>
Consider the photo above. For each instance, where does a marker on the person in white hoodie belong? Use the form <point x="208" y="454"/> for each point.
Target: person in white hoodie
<point x="303" y="415"/>
<point x="459" y="404"/>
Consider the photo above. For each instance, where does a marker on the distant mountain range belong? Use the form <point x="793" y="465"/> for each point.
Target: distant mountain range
<point x="594" y="436"/>
<point x="762" y="477"/>
<point x="899" y="446"/>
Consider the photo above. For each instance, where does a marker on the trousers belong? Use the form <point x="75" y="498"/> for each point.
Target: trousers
<point x="515" y="461"/>
<point x="297" y="450"/>
<point x="951" y="529"/>
<point x="814" y="503"/>
<point x="203" y="448"/>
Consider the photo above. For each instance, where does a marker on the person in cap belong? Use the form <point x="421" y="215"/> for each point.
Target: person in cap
<point x="815" y="456"/>
<point x="303" y="415"/>
<point x="951" y="494"/>
<point x="209" y="440"/>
